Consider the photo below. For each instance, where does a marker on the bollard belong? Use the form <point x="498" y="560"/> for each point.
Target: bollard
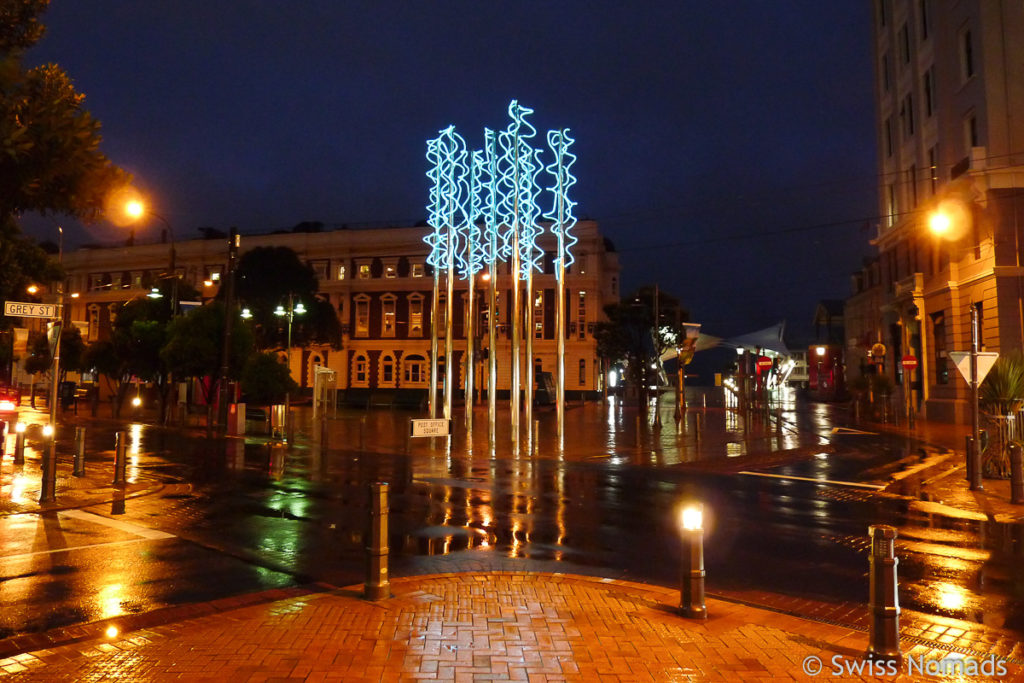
<point x="48" y="490"/>
<point x="536" y="435"/>
<point x="19" y="443"/>
<point x="377" y="587"/>
<point x="698" y="425"/>
<point x="120" y="461"/>
<point x="639" y="436"/>
<point x="79" y="470"/>
<point x="1016" y="475"/>
<point x="691" y="590"/>
<point x="884" y="637"/>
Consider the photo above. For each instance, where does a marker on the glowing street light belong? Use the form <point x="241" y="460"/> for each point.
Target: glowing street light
<point x="691" y="592"/>
<point x="940" y="223"/>
<point x="290" y="313"/>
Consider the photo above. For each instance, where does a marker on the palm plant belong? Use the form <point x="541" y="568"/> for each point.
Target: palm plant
<point x="1001" y="396"/>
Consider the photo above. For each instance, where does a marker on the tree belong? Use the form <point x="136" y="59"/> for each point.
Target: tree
<point x="262" y="294"/>
<point x="50" y="142"/>
<point x="631" y="336"/>
<point x="102" y="358"/>
<point x="266" y="380"/>
<point x="37" y="361"/>
<point x="49" y="152"/>
<point x="195" y="344"/>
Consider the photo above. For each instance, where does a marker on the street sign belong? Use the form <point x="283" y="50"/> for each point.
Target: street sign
<point x="986" y="359"/>
<point x="764" y="363"/>
<point x="27" y="310"/>
<point x="909" y="362"/>
<point x="438" y="427"/>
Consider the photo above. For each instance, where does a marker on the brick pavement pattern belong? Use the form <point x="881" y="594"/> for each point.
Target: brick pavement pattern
<point x="464" y="627"/>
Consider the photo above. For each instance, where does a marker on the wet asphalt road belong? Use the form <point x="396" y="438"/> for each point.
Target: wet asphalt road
<point x="241" y="518"/>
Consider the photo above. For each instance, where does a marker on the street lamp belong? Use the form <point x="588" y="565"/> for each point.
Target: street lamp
<point x="293" y="310"/>
<point x="135" y="209"/>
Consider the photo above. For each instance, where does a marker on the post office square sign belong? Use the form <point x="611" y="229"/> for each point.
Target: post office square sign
<point x="438" y="427"/>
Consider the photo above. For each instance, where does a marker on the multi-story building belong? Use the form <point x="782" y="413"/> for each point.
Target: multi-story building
<point x="950" y="97"/>
<point x="378" y="282"/>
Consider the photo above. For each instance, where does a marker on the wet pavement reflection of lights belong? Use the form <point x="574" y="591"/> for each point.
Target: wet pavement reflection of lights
<point x="111" y="599"/>
<point x="951" y="596"/>
<point x="18" y="482"/>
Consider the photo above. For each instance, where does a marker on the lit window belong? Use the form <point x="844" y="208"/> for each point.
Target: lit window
<point x="583" y="372"/>
<point x="364" y="271"/>
<point x="581" y="316"/>
<point x="341" y="272"/>
<point x="387" y="320"/>
<point x="414" y="370"/>
<point x="416" y="315"/>
<point x="417" y="270"/>
<point x="538" y="316"/>
<point x="390" y="271"/>
<point x="359" y="369"/>
<point x="363" y="316"/>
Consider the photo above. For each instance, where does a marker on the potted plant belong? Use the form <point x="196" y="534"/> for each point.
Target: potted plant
<point x="1001" y="397"/>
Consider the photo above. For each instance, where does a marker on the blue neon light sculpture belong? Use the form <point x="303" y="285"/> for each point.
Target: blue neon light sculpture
<point x="518" y="167"/>
<point x="447" y="212"/>
<point x="561" y="215"/>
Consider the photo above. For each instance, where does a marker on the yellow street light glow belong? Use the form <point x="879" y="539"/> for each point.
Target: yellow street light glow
<point x="75" y="295"/>
<point x="136" y="401"/>
<point x="692" y="518"/>
<point x="820" y="350"/>
<point x="486" y="276"/>
<point x="134" y="208"/>
<point x="939" y="223"/>
<point x="20" y="427"/>
<point x="207" y="283"/>
<point x="112" y="632"/>
<point x="47" y="431"/>
<point x="32" y="289"/>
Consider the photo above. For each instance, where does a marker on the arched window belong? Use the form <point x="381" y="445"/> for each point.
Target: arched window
<point x="414" y="371"/>
<point x="362" y="304"/>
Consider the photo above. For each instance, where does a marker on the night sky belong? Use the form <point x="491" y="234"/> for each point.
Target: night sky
<point x="727" y="148"/>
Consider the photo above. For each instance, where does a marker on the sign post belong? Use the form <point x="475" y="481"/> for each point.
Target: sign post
<point x="974" y="365"/>
<point x="909" y="363"/>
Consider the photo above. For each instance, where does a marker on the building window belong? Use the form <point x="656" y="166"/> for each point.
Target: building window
<point x="538" y="315"/>
<point x="390" y="270"/>
<point x="891" y="205"/>
<point x="966" y="55"/>
<point x="387" y="315"/>
<point x="928" y="86"/>
<point x="362" y="316"/>
<point x="886" y="73"/>
<point x="889" y="143"/>
<point x="321" y="269"/>
<point x="359" y="370"/>
<point x="971" y="132"/>
<point x="364" y="271"/>
<point x="933" y="169"/>
<point x="583" y="371"/>
<point x="414" y="370"/>
<point x="912" y="173"/>
<point x="883" y="15"/>
<point x="341" y="272"/>
<point x="94" y="322"/>
<point x="905" y="43"/>
<point x="415" y="315"/>
<point x="939" y="345"/>
<point x="907" y="116"/>
<point x="925" y="18"/>
<point x="581" y="316"/>
<point x="416" y="269"/>
<point x="387" y="370"/>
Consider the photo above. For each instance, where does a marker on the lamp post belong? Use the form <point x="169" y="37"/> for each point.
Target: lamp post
<point x="136" y="209"/>
<point x="293" y="310"/>
<point x="48" y="488"/>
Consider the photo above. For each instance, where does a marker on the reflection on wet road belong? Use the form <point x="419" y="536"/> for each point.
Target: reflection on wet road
<point x="256" y="514"/>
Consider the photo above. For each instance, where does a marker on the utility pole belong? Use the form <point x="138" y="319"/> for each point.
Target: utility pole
<point x="234" y="240"/>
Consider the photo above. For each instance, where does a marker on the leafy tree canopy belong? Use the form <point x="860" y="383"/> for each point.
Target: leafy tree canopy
<point x="265" y="379"/>
<point x="195" y="343"/>
<point x="268" y="277"/>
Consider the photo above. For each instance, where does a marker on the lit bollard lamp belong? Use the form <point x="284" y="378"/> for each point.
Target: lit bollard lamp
<point x="1016" y="475"/>
<point x="19" y="443"/>
<point x="691" y="591"/>
<point x="378" y="586"/>
<point x="884" y="636"/>
<point x="120" y="458"/>
<point x="79" y="470"/>
<point x="48" y="490"/>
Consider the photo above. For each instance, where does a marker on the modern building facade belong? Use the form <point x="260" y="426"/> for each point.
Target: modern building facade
<point x="380" y="286"/>
<point x="950" y="121"/>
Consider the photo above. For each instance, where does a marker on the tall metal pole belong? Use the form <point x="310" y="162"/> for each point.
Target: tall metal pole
<point x="492" y="303"/>
<point x="470" y="343"/>
<point x="288" y="394"/>
<point x="560" y="315"/>
<point x="48" y="488"/>
<point x="516" y="313"/>
<point x="974" y="463"/>
<point x="530" y="333"/>
<point x="449" y="352"/>
<point x="432" y="396"/>
<point x="234" y="240"/>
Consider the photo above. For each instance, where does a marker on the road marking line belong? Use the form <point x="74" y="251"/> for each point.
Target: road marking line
<point x="876" y="487"/>
<point x="144" y="532"/>
<point x="71" y="548"/>
<point x="847" y="430"/>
